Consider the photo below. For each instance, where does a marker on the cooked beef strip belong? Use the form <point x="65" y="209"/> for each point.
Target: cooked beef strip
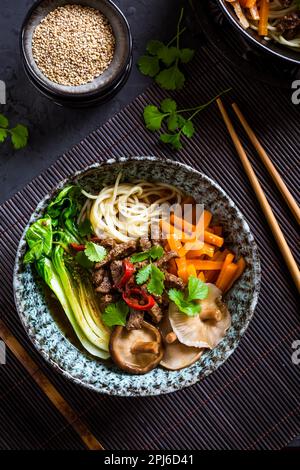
<point x="166" y="258"/>
<point x="105" y="286"/>
<point x="135" y="319"/>
<point x="157" y="241"/>
<point x="105" y="242"/>
<point x="172" y="281"/>
<point x="116" y="269"/>
<point x="145" y="244"/>
<point x="289" y="25"/>
<point x="140" y="265"/>
<point x="156" y="313"/>
<point x="97" y="276"/>
<point x="105" y="300"/>
<point x="120" y="251"/>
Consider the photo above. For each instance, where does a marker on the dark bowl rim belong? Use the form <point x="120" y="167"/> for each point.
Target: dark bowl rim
<point x="42" y="84"/>
<point x="133" y="392"/>
<point x="275" y="51"/>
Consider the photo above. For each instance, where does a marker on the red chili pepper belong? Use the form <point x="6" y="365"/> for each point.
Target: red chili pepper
<point x="128" y="270"/>
<point x="77" y="247"/>
<point x="134" y="303"/>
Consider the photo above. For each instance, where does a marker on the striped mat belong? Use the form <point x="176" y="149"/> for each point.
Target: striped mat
<point x="252" y="401"/>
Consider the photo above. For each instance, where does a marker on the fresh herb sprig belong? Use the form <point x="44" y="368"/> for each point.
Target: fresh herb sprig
<point x="115" y="314"/>
<point x="154" y="253"/>
<point x="177" y="124"/>
<point x="187" y="302"/>
<point x="162" y="60"/>
<point x="94" y="252"/>
<point x="17" y="134"/>
<point x="155" y="277"/>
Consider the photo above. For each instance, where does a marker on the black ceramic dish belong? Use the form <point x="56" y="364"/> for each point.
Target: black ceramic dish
<point x="268" y="46"/>
<point x="101" y="88"/>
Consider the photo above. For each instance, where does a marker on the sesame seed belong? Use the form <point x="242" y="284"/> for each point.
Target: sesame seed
<point x="73" y="45"/>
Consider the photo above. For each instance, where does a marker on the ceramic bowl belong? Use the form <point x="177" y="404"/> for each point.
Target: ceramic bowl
<point x="101" y="88"/>
<point x="46" y="332"/>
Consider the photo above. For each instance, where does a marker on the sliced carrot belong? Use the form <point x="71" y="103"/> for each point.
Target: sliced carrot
<point x="263" y="17"/>
<point x="213" y="239"/>
<point x="176" y="245"/>
<point x="228" y="260"/>
<point x="204" y="265"/>
<point x="206" y="249"/>
<point x="191" y="270"/>
<point x="183" y="274"/>
<point x="182" y="224"/>
<point x="181" y="262"/>
<point x="169" y="229"/>
<point x="201" y="276"/>
<point x="227" y="277"/>
<point x="241" y="265"/>
<point x="211" y="276"/>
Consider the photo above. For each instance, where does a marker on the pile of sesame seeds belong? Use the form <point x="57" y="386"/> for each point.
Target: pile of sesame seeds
<point x="73" y="45"/>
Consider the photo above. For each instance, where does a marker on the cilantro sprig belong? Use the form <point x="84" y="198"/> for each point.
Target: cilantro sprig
<point x="115" y="314"/>
<point x="162" y="60"/>
<point x="154" y="253"/>
<point x="155" y="276"/>
<point x="94" y="252"/>
<point x="187" y="302"/>
<point x="17" y="134"/>
<point x="167" y="115"/>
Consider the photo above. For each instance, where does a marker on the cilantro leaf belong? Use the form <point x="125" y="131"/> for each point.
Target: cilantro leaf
<point x="171" y="78"/>
<point x="83" y="260"/>
<point x="3" y="121"/>
<point x="153" y="117"/>
<point x="156" y="283"/>
<point x="95" y="252"/>
<point x="115" y="314"/>
<point x="188" y="129"/>
<point x="19" y="136"/>
<point x="154" y="46"/>
<point x="168" y="105"/>
<point x="149" y="65"/>
<point x="187" y="303"/>
<point x="168" y="55"/>
<point x="85" y="228"/>
<point x="156" y="252"/>
<point x="3" y="135"/>
<point x="172" y="139"/>
<point x="197" y="290"/>
<point x="172" y="122"/>
<point x="189" y="308"/>
<point x="186" y="55"/>
<point x="143" y="274"/>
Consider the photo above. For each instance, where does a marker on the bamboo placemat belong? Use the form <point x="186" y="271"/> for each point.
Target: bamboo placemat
<point x="252" y="401"/>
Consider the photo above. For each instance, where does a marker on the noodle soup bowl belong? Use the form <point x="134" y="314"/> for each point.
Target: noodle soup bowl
<point x="48" y="328"/>
<point x="271" y="47"/>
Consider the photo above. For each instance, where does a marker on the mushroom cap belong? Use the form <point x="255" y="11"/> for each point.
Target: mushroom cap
<point x="193" y="331"/>
<point x="122" y="341"/>
<point x="177" y="355"/>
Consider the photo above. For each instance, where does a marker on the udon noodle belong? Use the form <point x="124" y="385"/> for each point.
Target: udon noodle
<point x="125" y="211"/>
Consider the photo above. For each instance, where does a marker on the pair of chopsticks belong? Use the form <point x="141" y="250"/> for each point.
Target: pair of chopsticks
<point x="89" y="440"/>
<point x="266" y="208"/>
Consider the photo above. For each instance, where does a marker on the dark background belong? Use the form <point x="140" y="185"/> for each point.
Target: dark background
<point x="54" y="129"/>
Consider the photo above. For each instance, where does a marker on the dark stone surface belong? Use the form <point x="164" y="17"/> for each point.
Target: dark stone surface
<point x="54" y="129"/>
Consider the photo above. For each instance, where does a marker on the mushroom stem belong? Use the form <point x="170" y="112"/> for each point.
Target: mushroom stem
<point x="145" y="347"/>
<point x="170" y="337"/>
<point x="212" y="314"/>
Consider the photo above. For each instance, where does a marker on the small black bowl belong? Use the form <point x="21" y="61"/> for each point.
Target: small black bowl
<point x="102" y="88"/>
<point x="276" y="50"/>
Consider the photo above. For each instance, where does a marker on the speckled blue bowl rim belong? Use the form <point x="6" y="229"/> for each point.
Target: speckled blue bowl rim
<point x="131" y="390"/>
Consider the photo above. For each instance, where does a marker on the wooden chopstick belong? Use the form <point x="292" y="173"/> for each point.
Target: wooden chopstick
<point x="48" y="388"/>
<point x="276" y="230"/>
<point x="269" y="165"/>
